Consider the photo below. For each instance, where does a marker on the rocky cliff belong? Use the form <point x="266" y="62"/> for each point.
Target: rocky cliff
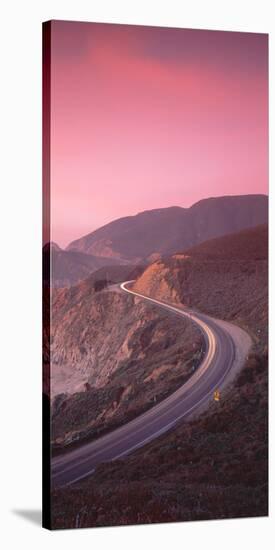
<point x="113" y="356"/>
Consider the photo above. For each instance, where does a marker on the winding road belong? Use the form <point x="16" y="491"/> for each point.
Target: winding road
<point x="226" y="348"/>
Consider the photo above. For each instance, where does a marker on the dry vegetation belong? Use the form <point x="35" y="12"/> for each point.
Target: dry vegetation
<point x="211" y="468"/>
<point x="126" y="361"/>
<point x="225" y="277"/>
<point x="214" y="466"/>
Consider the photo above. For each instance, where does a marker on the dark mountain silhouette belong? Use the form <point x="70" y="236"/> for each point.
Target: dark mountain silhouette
<point x="167" y="230"/>
<point x="249" y="244"/>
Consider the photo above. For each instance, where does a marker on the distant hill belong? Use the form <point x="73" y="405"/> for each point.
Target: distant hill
<point x="70" y="267"/>
<point x="167" y="230"/>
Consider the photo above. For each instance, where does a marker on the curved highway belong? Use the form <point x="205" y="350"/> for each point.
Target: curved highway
<point x="219" y="357"/>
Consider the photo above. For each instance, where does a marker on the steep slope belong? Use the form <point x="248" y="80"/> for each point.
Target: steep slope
<point x="246" y="245"/>
<point x="113" y="357"/>
<point x="166" y="230"/>
<point x="215" y="466"/>
<point x="225" y="277"/>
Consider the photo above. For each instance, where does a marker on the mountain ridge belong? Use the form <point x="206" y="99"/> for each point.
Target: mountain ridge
<point x="167" y="230"/>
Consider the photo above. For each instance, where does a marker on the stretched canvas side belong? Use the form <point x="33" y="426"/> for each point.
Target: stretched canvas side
<point x="155" y="275"/>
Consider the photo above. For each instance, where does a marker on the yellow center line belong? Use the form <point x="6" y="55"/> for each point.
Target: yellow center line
<point x="152" y="412"/>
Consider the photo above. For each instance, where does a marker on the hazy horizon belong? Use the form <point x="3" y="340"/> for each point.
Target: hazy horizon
<point x="65" y="244"/>
<point x="149" y="117"/>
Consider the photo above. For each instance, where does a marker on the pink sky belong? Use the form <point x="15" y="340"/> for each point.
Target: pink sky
<point x="147" y="117"/>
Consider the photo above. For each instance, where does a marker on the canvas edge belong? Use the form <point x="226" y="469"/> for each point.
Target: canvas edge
<point x="46" y="269"/>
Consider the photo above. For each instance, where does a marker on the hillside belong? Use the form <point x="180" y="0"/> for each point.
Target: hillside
<point x="246" y="245"/>
<point x="215" y="466"/>
<point x="115" y="274"/>
<point x="164" y="231"/>
<point x="107" y="368"/>
<point x="70" y="267"/>
<point x="225" y="277"/>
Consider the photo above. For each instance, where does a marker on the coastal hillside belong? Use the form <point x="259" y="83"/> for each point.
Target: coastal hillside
<point x="225" y="277"/>
<point x="214" y="466"/>
<point x="113" y="356"/>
